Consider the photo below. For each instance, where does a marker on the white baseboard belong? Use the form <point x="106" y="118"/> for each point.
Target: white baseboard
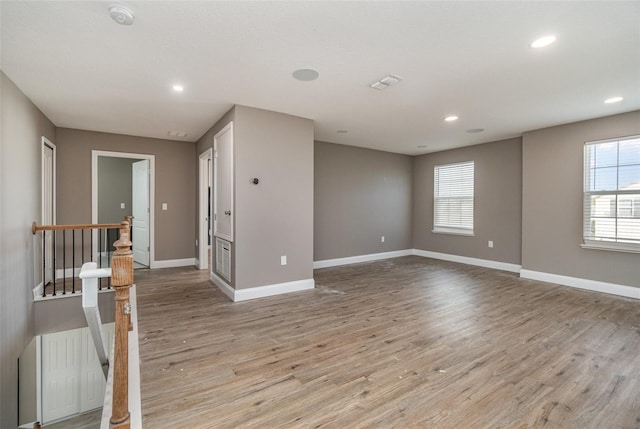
<point x="196" y="262"/>
<point x="68" y="273"/>
<point x="361" y="258"/>
<point x="237" y="295"/>
<point x="504" y="266"/>
<point x="171" y="263"/>
<point x="37" y="291"/>
<point x="594" y="285"/>
<point x="223" y="285"/>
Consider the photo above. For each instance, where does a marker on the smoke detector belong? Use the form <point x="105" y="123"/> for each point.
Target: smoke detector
<point x="121" y="14"/>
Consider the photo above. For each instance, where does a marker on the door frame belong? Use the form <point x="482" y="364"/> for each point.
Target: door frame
<point x="47" y="143"/>
<point x="205" y="171"/>
<point x="152" y="194"/>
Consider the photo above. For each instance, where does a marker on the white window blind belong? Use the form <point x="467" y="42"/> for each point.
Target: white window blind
<point x="612" y="194"/>
<point x="453" y="198"/>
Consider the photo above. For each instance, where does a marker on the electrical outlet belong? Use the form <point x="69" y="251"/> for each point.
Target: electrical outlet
<point x="283" y="260"/>
<point x="490" y="244"/>
<point x="196" y="242"/>
<point x="121" y="205"/>
<point x="382" y="239"/>
<point x="165" y="206"/>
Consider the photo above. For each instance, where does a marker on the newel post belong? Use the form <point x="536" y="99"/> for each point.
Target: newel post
<point x="121" y="280"/>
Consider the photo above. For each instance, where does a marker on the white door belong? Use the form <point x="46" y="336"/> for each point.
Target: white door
<point x="223" y="183"/>
<point x="60" y="374"/>
<point x="72" y="377"/>
<point x="48" y="204"/>
<point x="140" y="211"/>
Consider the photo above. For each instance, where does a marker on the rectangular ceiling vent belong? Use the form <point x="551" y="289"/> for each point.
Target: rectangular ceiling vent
<point x="386" y="82"/>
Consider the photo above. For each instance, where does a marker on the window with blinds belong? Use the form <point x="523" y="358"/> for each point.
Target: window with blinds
<point x="612" y="194"/>
<point x="453" y="198"/>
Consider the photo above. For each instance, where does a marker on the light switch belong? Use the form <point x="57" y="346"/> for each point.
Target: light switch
<point x="164" y="206"/>
<point x="283" y="260"/>
<point x="121" y="205"/>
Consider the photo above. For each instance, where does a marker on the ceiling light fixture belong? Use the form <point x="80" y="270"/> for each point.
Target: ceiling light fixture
<point x="178" y="88"/>
<point x="543" y="41"/>
<point x="451" y="118"/>
<point x="121" y="14"/>
<point x="305" y="75"/>
<point x="613" y="100"/>
<point x="386" y="82"/>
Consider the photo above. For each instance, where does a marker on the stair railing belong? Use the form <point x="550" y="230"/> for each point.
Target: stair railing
<point x="65" y="248"/>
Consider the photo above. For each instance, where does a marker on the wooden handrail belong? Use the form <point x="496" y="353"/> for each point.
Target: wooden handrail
<point x="35" y="227"/>
<point x="121" y="280"/>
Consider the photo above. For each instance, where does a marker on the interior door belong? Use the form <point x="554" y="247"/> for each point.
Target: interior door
<point x="60" y="374"/>
<point x="223" y="183"/>
<point x="140" y="211"/>
<point x="48" y="193"/>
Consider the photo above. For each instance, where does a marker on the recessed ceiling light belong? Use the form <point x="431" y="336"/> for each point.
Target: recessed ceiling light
<point x="451" y="118"/>
<point x="121" y="14"/>
<point x="306" y="75"/>
<point x="613" y="100"/>
<point x="178" y="88"/>
<point x="386" y="82"/>
<point x="342" y="131"/>
<point x="475" y="130"/>
<point x="543" y="41"/>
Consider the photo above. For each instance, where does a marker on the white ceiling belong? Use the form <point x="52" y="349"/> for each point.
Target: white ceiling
<point x="471" y="59"/>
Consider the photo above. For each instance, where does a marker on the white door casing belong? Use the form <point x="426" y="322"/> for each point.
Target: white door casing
<point x="95" y="154"/>
<point x="48" y="202"/>
<point x="223" y="183"/>
<point x="203" y="225"/>
<point x="140" y="211"/>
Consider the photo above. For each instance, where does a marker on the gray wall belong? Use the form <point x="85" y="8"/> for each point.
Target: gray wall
<point x="23" y="126"/>
<point x="359" y="196"/>
<point x="552" y="202"/>
<point x="497" y="203"/>
<point x="275" y="217"/>
<point x="174" y="178"/>
<point x="114" y="187"/>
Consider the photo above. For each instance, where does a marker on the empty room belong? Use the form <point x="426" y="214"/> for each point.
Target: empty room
<point x="319" y="214"/>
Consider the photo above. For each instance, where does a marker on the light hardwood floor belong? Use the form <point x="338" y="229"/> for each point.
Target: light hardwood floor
<point x="403" y="343"/>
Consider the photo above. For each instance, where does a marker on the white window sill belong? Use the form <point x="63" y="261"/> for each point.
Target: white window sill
<point x="611" y="247"/>
<point x="452" y="231"/>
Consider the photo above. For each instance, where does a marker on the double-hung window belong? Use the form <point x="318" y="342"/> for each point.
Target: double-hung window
<point x="453" y="198"/>
<point x="612" y="194"/>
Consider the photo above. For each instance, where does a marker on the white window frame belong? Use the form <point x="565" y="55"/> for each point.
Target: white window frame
<point x="450" y="228"/>
<point x="606" y="243"/>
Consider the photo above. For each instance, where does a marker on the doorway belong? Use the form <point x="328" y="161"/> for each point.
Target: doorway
<point x="204" y="218"/>
<point x="123" y="185"/>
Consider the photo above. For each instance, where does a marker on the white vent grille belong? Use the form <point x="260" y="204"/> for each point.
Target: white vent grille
<point x="223" y="258"/>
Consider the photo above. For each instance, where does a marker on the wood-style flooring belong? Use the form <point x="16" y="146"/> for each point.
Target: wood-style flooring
<point x="408" y="342"/>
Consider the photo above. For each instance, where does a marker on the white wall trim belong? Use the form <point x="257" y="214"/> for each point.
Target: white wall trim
<point x="504" y="266"/>
<point x="361" y="258"/>
<point x="37" y="291"/>
<point x="222" y="285"/>
<point x="171" y="263"/>
<point x="261" y="291"/>
<point x="594" y="285"/>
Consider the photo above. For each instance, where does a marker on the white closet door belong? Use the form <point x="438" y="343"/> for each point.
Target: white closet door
<point x="60" y="374"/>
